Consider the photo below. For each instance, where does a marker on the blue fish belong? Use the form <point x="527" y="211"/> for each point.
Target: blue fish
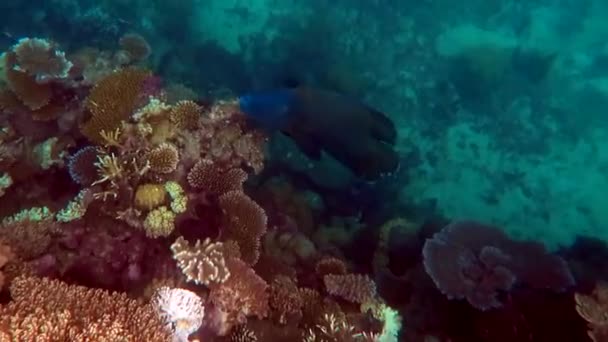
<point x="355" y="134"/>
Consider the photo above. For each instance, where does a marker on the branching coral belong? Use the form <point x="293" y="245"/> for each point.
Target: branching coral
<point x="111" y="101"/>
<point x="355" y="288"/>
<point x="244" y="221"/>
<point x="331" y="329"/>
<point x="203" y="263"/>
<point x="52" y="310"/>
<point x="181" y="310"/>
<point x="210" y="178"/>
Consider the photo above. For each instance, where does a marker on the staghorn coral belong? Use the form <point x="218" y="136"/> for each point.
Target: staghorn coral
<point x="355" y="288"/>
<point x="163" y="158"/>
<point x="159" y="222"/>
<point x="40" y="59"/>
<point x="149" y="196"/>
<point x="592" y="308"/>
<point x="331" y="328"/>
<point x="181" y="310"/>
<point x="210" y="178"/>
<point x="185" y="115"/>
<point x="285" y="300"/>
<point x="242" y="295"/>
<point x="111" y="101"/>
<point x="203" y="263"/>
<point x="53" y="310"/>
<point x="28" y="91"/>
<point x="109" y="168"/>
<point x="136" y="46"/>
<point x="244" y="221"/>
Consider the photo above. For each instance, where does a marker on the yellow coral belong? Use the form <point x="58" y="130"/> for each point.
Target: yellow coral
<point x="111" y="101"/>
<point x="159" y="222"/>
<point x="163" y="158"/>
<point x="185" y="115"/>
<point x="149" y="196"/>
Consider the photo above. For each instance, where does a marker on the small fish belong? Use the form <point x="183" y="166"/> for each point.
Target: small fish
<point x="358" y="136"/>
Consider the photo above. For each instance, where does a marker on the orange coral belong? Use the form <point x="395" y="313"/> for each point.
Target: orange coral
<point x="25" y="87"/>
<point x="243" y="294"/>
<point x="136" y="46"/>
<point x="29" y="239"/>
<point x="593" y="309"/>
<point x="356" y="288"/>
<point x="112" y="100"/>
<point x="185" y="115"/>
<point x="244" y="221"/>
<point x="203" y="263"/>
<point x="285" y="299"/>
<point x="50" y="310"/>
<point x="163" y="158"/>
<point x="212" y="180"/>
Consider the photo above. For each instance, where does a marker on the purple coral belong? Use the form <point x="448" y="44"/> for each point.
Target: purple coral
<point x="475" y="261"/>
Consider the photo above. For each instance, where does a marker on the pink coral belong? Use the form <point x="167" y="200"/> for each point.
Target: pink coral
<point x="243" y="294"/>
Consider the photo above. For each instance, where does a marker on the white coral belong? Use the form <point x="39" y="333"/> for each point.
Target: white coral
<point x="181" y="310"/>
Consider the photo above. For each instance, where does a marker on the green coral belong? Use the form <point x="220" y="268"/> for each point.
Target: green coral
<point x="5" y="182"/>
<point x="31" y="214"/>
<point x="74" y="210"/>
<point x="179" y="200"/>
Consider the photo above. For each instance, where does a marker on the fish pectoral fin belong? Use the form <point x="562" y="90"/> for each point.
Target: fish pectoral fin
<point x="306" y="144"/>
<point x="382" y="127"/>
